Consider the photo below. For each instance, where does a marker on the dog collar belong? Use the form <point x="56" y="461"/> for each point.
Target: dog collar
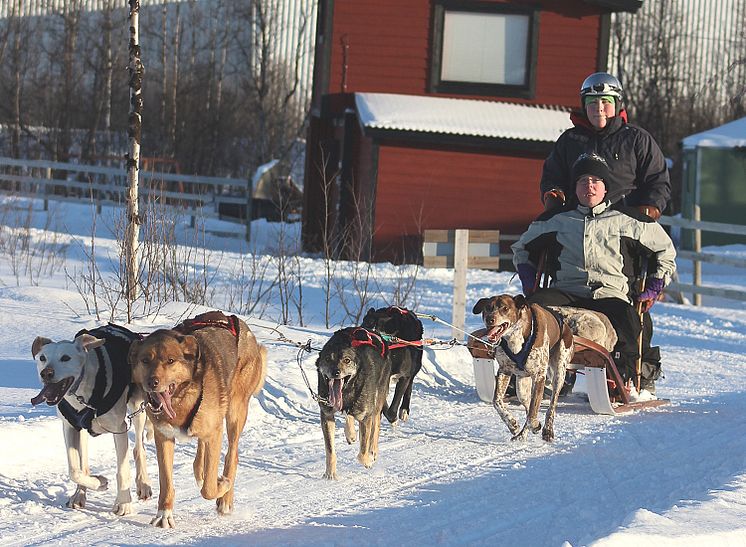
<point x="521" y="357"/>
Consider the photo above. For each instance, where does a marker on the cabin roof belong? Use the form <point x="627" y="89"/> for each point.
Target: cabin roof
<point x="467" y="117"/>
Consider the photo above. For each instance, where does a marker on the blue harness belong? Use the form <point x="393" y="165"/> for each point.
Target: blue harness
<point x="521" y="357"/>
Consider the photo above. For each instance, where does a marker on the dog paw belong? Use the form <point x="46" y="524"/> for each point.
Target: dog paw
<point x="144" y="491"/>
<point x="103" y="482"/>
<point x="547" y="435"/>
<point x="77" y="500"/>
<point x="164" y="518"/>
<point x="535" y="426"/>
<point x="224" y="485"/>
<point x="330" y="475"/>
<point x="121" y="509"/>
<point x="224" y="506"/>
<point x="522" y="436"/>
<point x="403" y="414"/>
<point x="366" y="459"/>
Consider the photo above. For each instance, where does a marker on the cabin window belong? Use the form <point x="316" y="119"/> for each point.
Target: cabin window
<point x="483" y="49"/>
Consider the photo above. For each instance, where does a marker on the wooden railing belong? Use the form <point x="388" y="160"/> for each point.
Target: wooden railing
<point x="50" y="180"/>
<point x="698" y="257"/>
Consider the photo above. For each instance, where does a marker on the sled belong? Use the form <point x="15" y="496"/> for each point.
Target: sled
<point x="607" y="393"/>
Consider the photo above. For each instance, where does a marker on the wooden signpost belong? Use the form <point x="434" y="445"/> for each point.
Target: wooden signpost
<point x="461" y="249"/>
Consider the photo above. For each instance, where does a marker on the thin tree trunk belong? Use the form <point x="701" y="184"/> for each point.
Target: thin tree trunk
<point x="175" y="82"/>
<point x="132" y="231"/>
<point x="108" y="75"/>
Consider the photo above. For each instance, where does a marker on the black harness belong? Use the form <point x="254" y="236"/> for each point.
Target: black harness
<point x="118" y="340"/>
<point x="521" y="357"/>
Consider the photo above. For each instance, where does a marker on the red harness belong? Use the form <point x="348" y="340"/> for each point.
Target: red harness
<point x="209" y="319"/>
<point x="360" y="336"/>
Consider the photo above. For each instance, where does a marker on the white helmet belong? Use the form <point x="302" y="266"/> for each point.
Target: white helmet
<point x="602" y="83"/>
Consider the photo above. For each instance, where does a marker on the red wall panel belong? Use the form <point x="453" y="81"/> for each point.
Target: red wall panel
<point x="421" y="188"/>
<point x="387" y="44"/>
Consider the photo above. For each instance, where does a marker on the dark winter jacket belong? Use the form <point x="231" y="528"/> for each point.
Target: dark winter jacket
<point x="592" y="253"/>
<point x="638" y="167"/>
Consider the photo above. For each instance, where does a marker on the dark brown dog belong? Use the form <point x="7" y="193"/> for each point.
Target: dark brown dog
<point x="406" y="360"/>
<point x="532" y="340"/>
<point x="353" y="372"/>
<point x="195" y="382"/>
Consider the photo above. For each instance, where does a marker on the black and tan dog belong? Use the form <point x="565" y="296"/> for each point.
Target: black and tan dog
<point x="88" y="379"/>
<point x="532" y="341"/>
<point x="197" y="376"/>
<point x="406" y="359"/>
<point x="353" y="372"/>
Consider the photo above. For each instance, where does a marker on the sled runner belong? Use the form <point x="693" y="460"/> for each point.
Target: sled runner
<point x="607" y="393"/>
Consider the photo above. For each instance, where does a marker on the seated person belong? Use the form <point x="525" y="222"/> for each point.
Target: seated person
<point x="591" y="250"/>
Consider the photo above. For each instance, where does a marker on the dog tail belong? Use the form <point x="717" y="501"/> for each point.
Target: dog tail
<point x="262" y="363"/>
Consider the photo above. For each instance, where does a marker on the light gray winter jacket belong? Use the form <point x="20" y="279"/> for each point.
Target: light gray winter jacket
<point x="592" y="253"/>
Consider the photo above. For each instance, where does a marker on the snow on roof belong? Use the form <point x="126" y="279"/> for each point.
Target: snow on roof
<point x="730" y="135"/>
<point x="461" y="116"/>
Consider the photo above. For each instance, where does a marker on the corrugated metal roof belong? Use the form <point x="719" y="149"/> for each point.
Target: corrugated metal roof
<point x="729" y="135"/>
<point x="467" y="117"/>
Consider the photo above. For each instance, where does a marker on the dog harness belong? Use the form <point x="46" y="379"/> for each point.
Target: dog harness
<point x="210" y="319"/>
<point x="118" y="340"/>
<point x="360" y="336"/>
<point x="521" y="357"/>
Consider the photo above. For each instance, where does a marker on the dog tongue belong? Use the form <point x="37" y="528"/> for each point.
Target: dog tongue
<point x="335" y="394"/>
<point x="46" y="393"/>
<point x="496" y="332"/>
<point x="165" y="398"/>
<point x="52" y="393"/>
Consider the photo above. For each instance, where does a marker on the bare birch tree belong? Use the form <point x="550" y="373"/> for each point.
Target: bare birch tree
<point x="136" y="71"/>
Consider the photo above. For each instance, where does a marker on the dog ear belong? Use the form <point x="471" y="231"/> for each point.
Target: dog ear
<point x="479" y="306"/>
<point x="132" y="353"/>
<point x="38" y="343"/>
<point x="87" y="342"/>
<point x="519" y="300"/>
<point x="189" y="347"/>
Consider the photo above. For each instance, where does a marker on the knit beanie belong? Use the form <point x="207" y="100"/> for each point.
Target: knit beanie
<point x="591" y="164"/>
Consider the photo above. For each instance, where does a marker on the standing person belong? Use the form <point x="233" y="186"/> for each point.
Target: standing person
<point x="590" y="251"/>
<point x="638" y="167"/>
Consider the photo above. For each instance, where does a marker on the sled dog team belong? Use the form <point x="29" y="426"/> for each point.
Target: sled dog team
<point x="198" y="377"/>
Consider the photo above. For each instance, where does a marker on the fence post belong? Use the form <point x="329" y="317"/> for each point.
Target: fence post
<point x="697" y="265"/>
<point x="460" y="265"/>
<point x="249" y="207"/>
<point x="46" y="188"/>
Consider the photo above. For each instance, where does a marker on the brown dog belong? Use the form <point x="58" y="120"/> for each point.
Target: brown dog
<point x="197" y="376"/>
<point x="532" y="340"/>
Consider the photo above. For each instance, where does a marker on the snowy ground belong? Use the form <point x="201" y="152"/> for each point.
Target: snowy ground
<point x="450" y="475"/>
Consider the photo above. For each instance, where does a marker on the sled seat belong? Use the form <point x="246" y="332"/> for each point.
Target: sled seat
<point x="607" y="393"/>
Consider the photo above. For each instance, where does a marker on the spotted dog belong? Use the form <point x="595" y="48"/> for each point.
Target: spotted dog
<point x="88" y="379"/>
<point x="532" y="340"/>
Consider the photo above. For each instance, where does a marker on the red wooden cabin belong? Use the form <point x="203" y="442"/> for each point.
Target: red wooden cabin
<point x="439" y="114"/>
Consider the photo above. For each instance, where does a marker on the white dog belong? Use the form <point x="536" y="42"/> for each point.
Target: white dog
<point x="89" y="381"/>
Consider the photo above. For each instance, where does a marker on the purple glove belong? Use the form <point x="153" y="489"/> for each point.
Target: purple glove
<point x="653" y="289"/>
<point x="527" y="275"/>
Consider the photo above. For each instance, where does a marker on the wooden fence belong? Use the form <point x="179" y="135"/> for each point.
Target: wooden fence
<point x="696" y="288"/>
<point x="49" y="180"/>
